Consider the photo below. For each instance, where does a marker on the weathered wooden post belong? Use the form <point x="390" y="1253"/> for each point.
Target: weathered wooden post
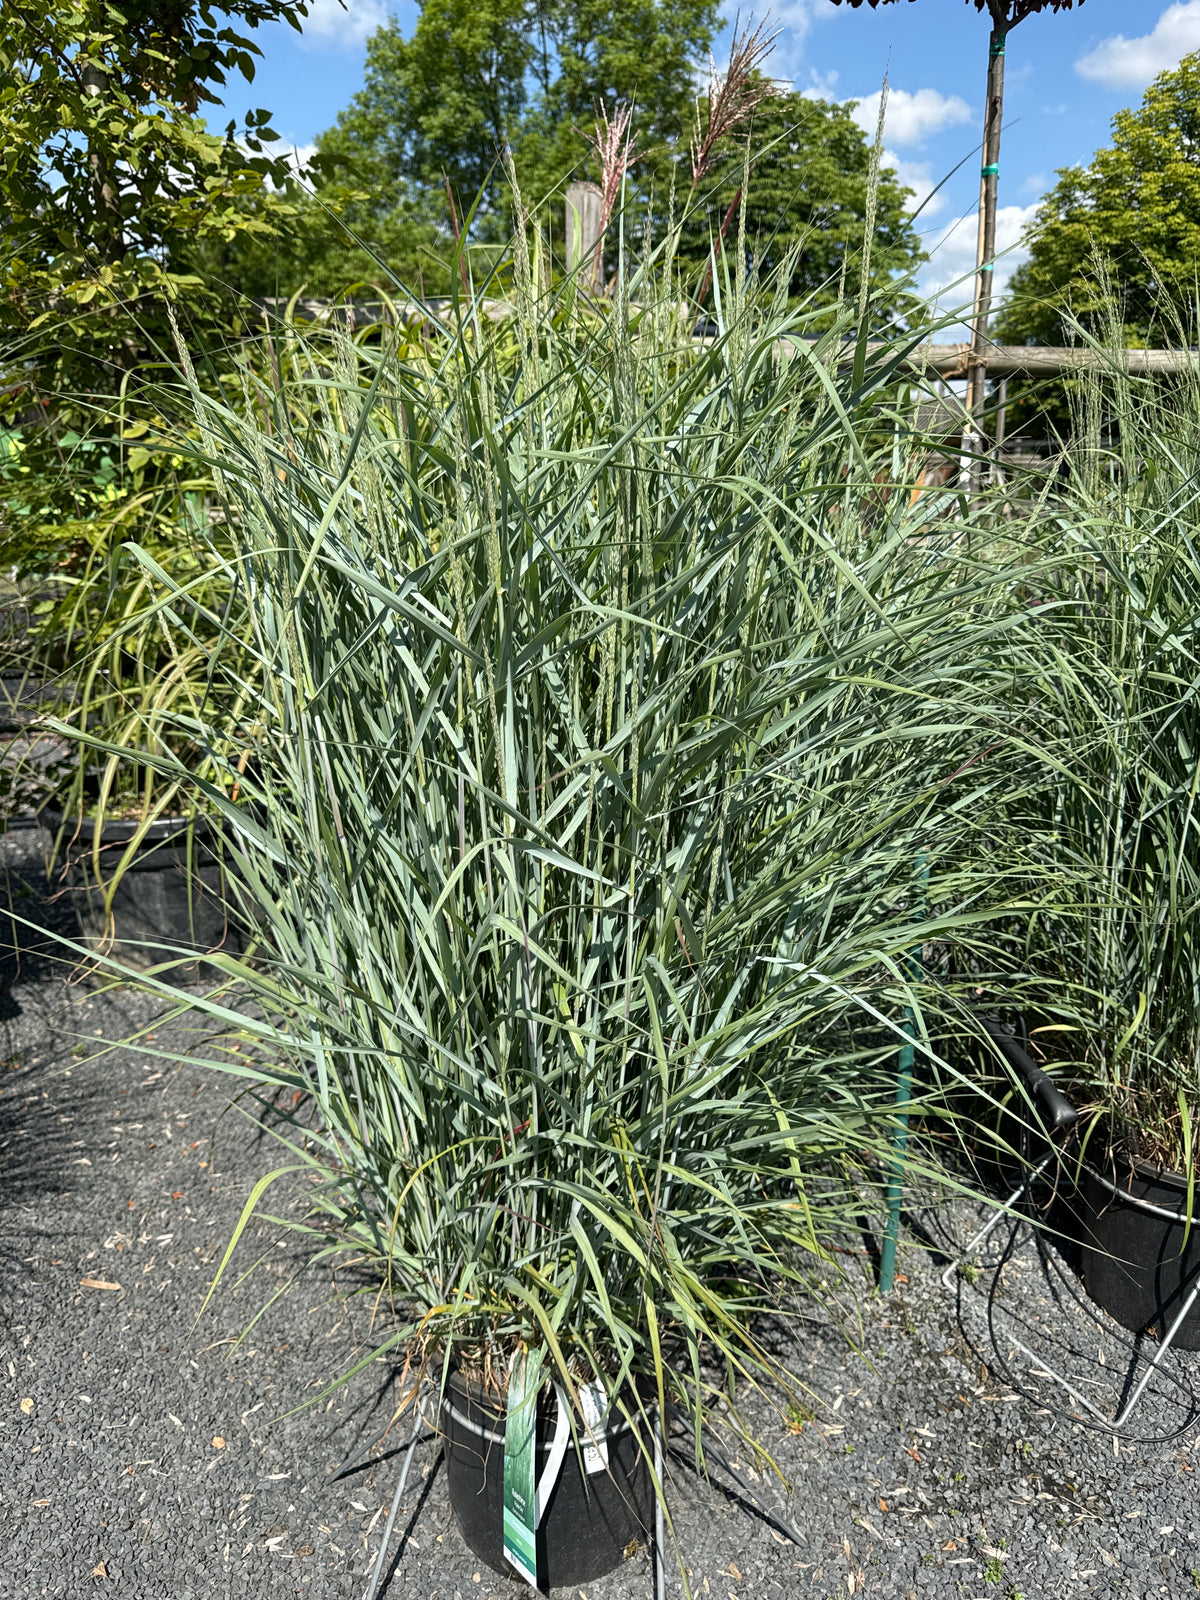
<point x="584" y="255"/>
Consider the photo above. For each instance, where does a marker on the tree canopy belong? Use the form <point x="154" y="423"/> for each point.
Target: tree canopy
<point x="439" y="106"/>
<point x="477" y="75"/>
<point x="1136" y="207"/>
<point x="108" y="173"/>
<point x="809" y="175"/>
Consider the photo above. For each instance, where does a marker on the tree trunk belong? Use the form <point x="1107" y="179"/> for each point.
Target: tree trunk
<point x="108" y="206"/>
<point x="985" y="249"/>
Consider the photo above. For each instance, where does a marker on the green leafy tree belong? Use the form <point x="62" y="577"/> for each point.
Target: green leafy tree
<point x="1135" y="207"/>
<point x="111" y="185"/>
<point x="809" y="175"/>
<point x="385" y="166"/>
<point x="108" y="173"/>
<point x="594" y="54"/>
<point x="441" y="105"/>
<point x="339" y="240"/>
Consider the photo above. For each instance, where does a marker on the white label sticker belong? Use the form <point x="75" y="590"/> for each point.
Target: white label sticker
<point x="595" y="1448"/>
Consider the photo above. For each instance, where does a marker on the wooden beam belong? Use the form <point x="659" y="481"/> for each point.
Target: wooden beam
<point x="946" y="360"/>
<point x="1007" y="360"/>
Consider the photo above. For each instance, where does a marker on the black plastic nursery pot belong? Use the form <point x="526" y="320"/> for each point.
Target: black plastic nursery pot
<point x="1139" y="1259"/>
<point x="168" y="899"/>
<point x="1132" y="1226"/>
<point x="590" y="1520"/>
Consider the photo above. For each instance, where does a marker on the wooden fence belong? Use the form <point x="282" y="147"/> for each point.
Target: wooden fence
<point x="947" y="361"/>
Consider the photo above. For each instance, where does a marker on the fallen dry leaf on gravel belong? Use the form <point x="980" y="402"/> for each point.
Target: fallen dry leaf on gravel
<point x="97" y="1283"/>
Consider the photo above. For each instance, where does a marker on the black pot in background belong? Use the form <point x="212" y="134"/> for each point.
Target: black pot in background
<point x="1124" y="1230"/>
<point x="1135" y="1263"/>
<point x="591" y="1518"/>
<point x="1007" y="1120"/>
<point x="167" y="899"/>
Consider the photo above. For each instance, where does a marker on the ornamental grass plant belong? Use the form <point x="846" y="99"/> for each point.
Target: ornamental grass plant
<point x="1116" y="950"/>
<point x="609" y="695"/>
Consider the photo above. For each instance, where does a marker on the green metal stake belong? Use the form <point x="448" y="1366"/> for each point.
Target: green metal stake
<point x="891" y="1232"/>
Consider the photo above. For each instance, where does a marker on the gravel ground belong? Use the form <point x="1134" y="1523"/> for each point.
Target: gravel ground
<point x="149" y="1456"/>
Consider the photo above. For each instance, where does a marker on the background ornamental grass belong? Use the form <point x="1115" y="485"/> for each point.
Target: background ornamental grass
<point x="1113" y="651"/>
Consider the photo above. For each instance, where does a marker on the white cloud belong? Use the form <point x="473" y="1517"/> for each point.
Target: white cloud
<point x="821" y="85"/>
<point x="1121" y="63"/>
<point x="948" y="276"/>
<point x="795" y="20"/>
<point x="917" y="176"/>
<point x="911" y="118"/>
<point x="299" y="154"/>
<point x="330" y="21"/>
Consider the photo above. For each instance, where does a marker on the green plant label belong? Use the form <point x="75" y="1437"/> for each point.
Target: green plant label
<point x="520" y="1464"/>
<point x="595" y="1450"/>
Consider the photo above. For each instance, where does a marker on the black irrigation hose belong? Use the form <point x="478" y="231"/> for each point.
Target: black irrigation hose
<point x="1131" y="1346"/>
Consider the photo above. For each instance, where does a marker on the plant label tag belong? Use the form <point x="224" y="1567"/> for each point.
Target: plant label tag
<point x="520" y="1464"/>
<point x="595" y="1449"/>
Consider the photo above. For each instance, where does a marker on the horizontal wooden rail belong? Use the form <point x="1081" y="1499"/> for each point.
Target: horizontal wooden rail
<point x="1010" y="360"/>
<point x="946" y="360"/>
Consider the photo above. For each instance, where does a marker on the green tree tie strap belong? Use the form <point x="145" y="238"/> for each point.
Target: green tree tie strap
<point x="997" y="47"/>
<point x="992" y="171"/>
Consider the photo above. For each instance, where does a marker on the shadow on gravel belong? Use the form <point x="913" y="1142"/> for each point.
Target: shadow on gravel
<point x="36" y="1108"/>
<point x="33" y="921"/>
<point x="426" y="1489"/>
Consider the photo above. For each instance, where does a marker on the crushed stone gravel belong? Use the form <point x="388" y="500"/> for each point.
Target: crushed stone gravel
<point x="153" y="1456"/>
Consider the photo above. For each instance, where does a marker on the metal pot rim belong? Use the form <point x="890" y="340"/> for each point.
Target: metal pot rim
<point x="1149" y="1174"/>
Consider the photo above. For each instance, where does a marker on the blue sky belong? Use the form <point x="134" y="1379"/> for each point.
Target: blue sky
<point x="1066" y="75"/>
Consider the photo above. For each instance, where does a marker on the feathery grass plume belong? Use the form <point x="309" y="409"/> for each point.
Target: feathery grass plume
<point x="613" y="146"/>
<point x="602" y="710"/>
<point x="864" y="282"/>
<point x="733" y="95"/>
